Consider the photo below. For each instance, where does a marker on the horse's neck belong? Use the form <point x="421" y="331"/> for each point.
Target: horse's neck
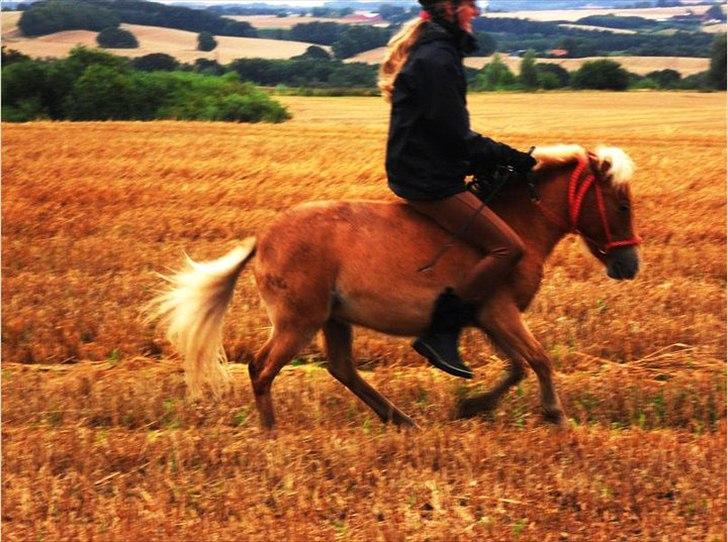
<point x="539" y="233"/>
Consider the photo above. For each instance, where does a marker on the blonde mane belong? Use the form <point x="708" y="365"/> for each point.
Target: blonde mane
<point x="616" y="164"/>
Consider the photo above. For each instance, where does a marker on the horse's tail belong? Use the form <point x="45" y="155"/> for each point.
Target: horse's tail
<point x="192" y="308"/>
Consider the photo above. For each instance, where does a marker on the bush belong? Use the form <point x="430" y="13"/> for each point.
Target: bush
<point x="116" y="38"/>
<point x="206" y="41"/>
<point x="601" y="75"/>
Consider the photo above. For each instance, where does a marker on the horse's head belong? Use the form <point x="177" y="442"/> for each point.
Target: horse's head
<point x="600" y="205"/>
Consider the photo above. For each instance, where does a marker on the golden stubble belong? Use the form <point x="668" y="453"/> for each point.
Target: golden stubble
<point x="99" y="442"/>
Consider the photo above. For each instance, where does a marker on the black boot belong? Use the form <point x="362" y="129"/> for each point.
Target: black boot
<point x="439" y="344"/>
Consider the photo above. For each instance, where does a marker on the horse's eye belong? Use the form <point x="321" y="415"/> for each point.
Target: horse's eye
<point x="624" y="206"/>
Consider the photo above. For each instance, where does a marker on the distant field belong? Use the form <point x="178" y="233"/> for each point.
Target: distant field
<point x="598" y="28"/>
<point x="266" y="21"/>
<point x="576" y="14"/>
<point x="99" y="442"/>
<point x="637" y="64"/>
<point x="177" y="43"/>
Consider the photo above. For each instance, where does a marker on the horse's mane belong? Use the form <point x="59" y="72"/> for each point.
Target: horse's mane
<point x="615" y="164"/>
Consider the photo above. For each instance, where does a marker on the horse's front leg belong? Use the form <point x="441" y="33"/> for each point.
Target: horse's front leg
<point x="505" y="326"/>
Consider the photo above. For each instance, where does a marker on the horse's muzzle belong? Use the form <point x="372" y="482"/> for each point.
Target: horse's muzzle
<point x="623" y="263"/>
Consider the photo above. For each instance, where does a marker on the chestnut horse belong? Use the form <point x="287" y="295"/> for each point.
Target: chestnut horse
<point x="330" y="265"/>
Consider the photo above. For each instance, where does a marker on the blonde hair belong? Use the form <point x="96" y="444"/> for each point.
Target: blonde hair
<point x="398" y="50"/>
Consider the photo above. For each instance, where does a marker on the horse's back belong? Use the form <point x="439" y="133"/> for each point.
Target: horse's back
<point x="363" y="258"/>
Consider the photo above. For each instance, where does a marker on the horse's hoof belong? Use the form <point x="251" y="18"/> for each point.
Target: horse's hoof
<point x="555" y="418"/>
<point x="472" y="406"/>
<point x="404" y="421"/>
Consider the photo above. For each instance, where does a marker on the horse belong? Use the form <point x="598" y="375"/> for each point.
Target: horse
<point x="330" y="265"/>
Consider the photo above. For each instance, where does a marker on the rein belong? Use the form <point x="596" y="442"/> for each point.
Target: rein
<point x="580" y="182"/>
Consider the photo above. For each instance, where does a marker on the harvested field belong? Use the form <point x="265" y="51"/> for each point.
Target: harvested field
<point x="153" y="39"/>
<point x="99" y="442"/>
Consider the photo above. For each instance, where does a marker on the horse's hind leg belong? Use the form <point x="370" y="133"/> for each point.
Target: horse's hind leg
<point x="338" y="340"/>
<point x="284" y="343"/>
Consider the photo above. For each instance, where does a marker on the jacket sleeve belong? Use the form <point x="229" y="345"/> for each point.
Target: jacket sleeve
<point x="440" y="85"/>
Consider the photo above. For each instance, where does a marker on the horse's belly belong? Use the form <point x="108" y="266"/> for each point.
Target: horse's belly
<point x="382" y="265"/>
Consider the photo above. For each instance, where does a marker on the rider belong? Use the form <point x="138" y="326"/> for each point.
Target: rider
<point x="431" y="149"/>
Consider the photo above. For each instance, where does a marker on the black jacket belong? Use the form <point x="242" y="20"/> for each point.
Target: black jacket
<point x="431" y="147"/>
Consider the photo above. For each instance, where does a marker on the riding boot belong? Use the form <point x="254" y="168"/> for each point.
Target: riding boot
<point x="439" y="344"/>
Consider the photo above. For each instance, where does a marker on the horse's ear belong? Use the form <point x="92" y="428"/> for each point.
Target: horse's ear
<point x="605" y="167"/>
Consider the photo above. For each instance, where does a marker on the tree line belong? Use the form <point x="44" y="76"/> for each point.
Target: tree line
<point x="49" y="16"/>
<point x="603" y="74"/>
<point x="521" y="34"/>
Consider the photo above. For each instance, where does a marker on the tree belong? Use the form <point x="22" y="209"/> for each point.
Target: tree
<point x="101" y="93"/>
<point x="601" y="75"/>
<point x="116" y="38"/>
<point x="10" y="56"/>
<point x="717" y="72"/>
<point x="551" y="76"/>
<point x="665" y="78"/>
<point x="155" y="62"/>
<point x="528" y="77"/>
<point x="494" y="76"/>
<point x="57" y="15"/>
<point x="315" y="51"/>
<point x="206" y="41"/>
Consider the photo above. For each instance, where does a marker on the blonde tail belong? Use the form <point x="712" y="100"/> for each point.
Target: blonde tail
<point x="193" y="307"/>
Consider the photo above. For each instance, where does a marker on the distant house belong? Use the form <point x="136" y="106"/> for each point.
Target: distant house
<point x="558" y="53"/>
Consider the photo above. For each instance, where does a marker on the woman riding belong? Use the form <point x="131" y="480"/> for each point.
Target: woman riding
<point x="431" y="149"/>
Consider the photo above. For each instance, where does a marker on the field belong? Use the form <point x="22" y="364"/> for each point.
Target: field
<point x="100" y="444"/>
<point x="152" y="39"/>
<point x="271" y="21"/>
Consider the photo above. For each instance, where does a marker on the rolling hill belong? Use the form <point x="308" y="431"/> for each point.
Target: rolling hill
<point x="177" y="43"/>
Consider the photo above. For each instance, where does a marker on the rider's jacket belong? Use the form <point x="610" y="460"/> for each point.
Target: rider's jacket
<point x="431" y="148"/>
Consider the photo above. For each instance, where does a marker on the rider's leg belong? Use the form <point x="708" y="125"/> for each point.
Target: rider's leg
<point x="464" y="215"/>
<point x="501" y="246"/>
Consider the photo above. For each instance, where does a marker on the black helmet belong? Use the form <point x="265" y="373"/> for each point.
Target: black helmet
<point x="427" y="4"/>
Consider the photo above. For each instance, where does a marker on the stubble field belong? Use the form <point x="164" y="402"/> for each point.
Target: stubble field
<point x="100" y="444"/>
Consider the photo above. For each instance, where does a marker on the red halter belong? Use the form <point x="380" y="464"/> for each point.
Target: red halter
<point x="579" y="185"/>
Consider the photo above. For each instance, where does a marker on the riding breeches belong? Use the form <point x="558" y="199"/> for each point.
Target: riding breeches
<point x="465" y="216"/>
